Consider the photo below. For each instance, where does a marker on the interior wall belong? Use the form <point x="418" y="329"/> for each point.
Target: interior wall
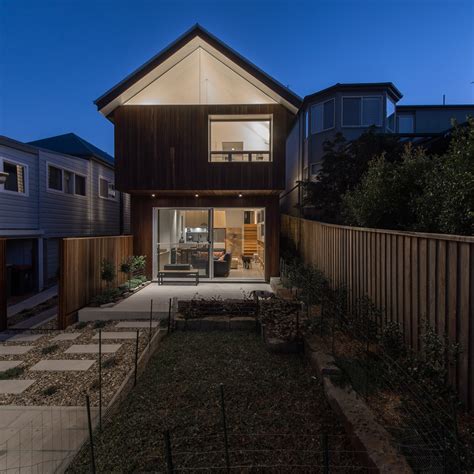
<point x="254" y="135"/>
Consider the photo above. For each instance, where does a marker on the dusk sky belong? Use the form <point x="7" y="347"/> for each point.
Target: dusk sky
<point x="56" y="57"/>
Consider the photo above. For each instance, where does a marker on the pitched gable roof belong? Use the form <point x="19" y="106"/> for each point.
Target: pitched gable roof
<point x="71" y="144"/>
<point x="143" y="76"/>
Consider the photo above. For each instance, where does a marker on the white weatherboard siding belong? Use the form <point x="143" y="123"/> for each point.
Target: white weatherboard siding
<point x="20" y="211"/>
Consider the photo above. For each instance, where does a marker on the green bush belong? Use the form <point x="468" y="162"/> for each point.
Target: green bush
<point x="11" y="373"/>
<point x="51" y="390"/>
<point x="49" y="349"/>
<point x="107" y="296"/>
<point x="392" y="340"/>
<point x="107" y="272"/>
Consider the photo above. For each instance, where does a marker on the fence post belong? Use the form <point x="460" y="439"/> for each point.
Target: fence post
<point x="169" y="316"/>
<point x="151" y="320"/>
<point x="136" y="358"/>
<point x="325" y="452"/>
<point x="224" y="426"/>
<point x="168" y="454"/>
<point x="91" y="439"/>
<point x="100" y="379"/>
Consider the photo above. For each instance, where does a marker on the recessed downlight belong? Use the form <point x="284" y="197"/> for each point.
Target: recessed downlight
<point x="241" y="195"/>
<point x="153" y="195"/>
<point x="196" y="195"/>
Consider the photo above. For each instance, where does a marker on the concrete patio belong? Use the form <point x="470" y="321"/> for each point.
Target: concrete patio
<point x="137" y="306"/>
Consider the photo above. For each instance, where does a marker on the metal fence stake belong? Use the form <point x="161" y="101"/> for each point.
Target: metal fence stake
<point x="100" y="379"/>
<point x="136" y="358"/>
<point x="91" y="439"/>
<point x="325" y="448"/>
<point x="224" y="426"/>
<point x="168" y="454"/>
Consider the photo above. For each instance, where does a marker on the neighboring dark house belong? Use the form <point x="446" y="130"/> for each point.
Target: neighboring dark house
<point x="200" y="138"/>
<point x="57" y="187"/>
<point x="351" y="109"/>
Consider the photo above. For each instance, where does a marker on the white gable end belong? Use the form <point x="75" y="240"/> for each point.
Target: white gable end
<point x="200" y="78"/>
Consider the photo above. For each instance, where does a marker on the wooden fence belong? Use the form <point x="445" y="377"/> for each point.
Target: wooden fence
<point x="411" y="277"/>
<point x="3" y="284"/>
<point x="80" y="270"/>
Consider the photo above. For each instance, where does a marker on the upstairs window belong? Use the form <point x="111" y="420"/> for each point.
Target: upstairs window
<point x="361" y="111"/>
<point x="60" y="180"/>
<point x="322" y="116"/>
<point x="390" y="115"/>
<point x="236" y="139"/>
<point x="16" y="179"/>
<point x="55" y="178"/>
<point x="106" y="188"/>
<point x="80" y="185"/>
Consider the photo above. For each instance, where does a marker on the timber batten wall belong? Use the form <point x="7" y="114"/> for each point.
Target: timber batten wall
<point x="410" y="276"/>
<point x="3" y="284"/>
<point x="80" y="271"/>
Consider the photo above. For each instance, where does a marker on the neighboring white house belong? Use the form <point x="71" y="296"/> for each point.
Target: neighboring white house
<point x="57" y="187"/>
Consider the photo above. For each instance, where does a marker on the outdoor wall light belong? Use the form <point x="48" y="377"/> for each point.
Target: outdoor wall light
<point x="196" y="195"/>
<point x="241" y="195"/>
<point x="3" y="177"/>
<point x="153" y="195"/>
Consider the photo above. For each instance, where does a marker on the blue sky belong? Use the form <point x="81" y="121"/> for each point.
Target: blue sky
<point x="56" y="57"/>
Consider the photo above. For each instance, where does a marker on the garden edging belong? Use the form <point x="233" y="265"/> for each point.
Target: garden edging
<point x="376" y="445"/>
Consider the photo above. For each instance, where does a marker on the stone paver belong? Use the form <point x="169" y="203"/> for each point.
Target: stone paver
<point x="25" y="337"/>
<point x="92" y="349"/>
<point x="67" y="336"/>
<point x="63" y="365"/>
<point x="14" y="350"/>
<point x="117" y="335"/>
<point x="8" y="364"/>
<point x="14" y="386"/>
<point x="137" y="324"/>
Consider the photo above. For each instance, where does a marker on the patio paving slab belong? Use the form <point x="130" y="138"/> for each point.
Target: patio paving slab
<point x="137" y="324"/>
<point x="14" y="386"/>
<point x="25" y="337"/>
<point x="15" y="350"/>
<point x="51" y="365"/>
<point x="8" y="364"/>
<point x="93" y="349"/>
<point x="67" y="336"/>
<point x="117" y="335"/>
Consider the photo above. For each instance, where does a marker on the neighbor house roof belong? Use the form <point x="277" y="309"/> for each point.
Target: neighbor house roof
<point x="71" y="144"/>
<point x="391" y="89"/>
<point x="196" y="31"/>
<point x="434" y="106"/>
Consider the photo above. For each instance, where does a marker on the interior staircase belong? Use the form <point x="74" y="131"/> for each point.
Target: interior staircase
<point x="250" y="240"/>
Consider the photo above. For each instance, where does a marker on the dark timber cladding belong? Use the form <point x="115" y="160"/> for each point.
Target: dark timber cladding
<point x="3" y="284"/>
<point x="142" y="207"/>
<point x="161" y="147"/>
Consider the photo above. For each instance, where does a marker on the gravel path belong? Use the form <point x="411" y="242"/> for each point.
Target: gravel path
<point x="275" y="407"/>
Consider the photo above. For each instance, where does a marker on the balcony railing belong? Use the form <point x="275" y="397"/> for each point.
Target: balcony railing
<point x="239" y="156"/>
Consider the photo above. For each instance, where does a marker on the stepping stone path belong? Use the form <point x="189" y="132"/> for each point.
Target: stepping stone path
<point x="137" y="324"/>
<point x="26" y="337"/>
<point x="67" y="336"/>
<point x="117" y="335"/>
<point x="15" y="350"/>
<point x="8" y="364"/>
<point x="92" y="349"/>
<point x="14" y="386"/>
<point x="63" y="365"/>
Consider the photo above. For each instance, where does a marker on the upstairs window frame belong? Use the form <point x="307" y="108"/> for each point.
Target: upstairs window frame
<point x="26" y="183"/>
<point x="109" y="181"/>
<point x="73" y="175"/>
<point x="312" y="115"/>
<point x="253" y="155"/>
<point x="361" y="114"/>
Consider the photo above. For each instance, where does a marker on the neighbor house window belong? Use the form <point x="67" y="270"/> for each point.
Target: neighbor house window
<point x="322" y="116"/>
<point x="66" y="181"/>
<point x="406" y="123"/>
<point x="390" y="115"/>
<point x="55" y="178"/>
<point x="361" y="111"/>
<point x="236" y="139"/>
<point x="106" y="188"/>
<point x="80" y="185"/>
<point x="16" y="179"/>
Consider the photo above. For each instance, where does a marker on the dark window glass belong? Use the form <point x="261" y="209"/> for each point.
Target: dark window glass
<point x="351" y="111"/>
<point x="68" y="182"/>
<point x="328" y="114"/>
<point x="16" y="177"/>
<point x="55" y="176"/>
<point x="80" y="182"/>
<point x="372" y="111"/>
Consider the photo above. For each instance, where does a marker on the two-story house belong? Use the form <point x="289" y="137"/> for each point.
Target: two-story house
<point x="200" y="138"/>
<point x="57" y="187"/>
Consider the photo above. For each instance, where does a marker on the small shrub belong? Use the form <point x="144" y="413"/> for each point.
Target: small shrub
<point x="81" y="325"/>
<point x="11" y="373"/>
<point x="51" y="390"/>
<point x="392" y="340"/>
<point x="107" y="296"/>
<point x="49" y="349"/>
<point x="99" y="324"/>
<point x="107" y="272"/>
<point x="109" y="363"/>
<point x="95" y="385"/>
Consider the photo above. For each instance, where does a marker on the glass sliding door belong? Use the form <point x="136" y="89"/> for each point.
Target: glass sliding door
<point x="182" y="237"/>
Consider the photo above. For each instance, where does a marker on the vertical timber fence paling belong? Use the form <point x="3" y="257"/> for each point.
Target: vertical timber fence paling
<point x="3" y="284"/>
<point x="410" y="277"/>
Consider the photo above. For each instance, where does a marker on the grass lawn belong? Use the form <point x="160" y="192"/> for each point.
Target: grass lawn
<point x="275" y="407"/>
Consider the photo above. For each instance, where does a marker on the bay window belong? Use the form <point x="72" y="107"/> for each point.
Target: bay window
<point x="322" y="116"/>
<point x="361" y="111"/>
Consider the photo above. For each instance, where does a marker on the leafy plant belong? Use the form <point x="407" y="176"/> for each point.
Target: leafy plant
<point x="107" y="296"/>
<point x="107" y="272"/>
<point x="392" y="340"/>
<point x="109" y="363"/>
<point x="99" y="324"/>
<point x="51" y="390"/>
<point x="11" y="373"/>
<point x="49" y="349"/>
<point x="81" y="325"/>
